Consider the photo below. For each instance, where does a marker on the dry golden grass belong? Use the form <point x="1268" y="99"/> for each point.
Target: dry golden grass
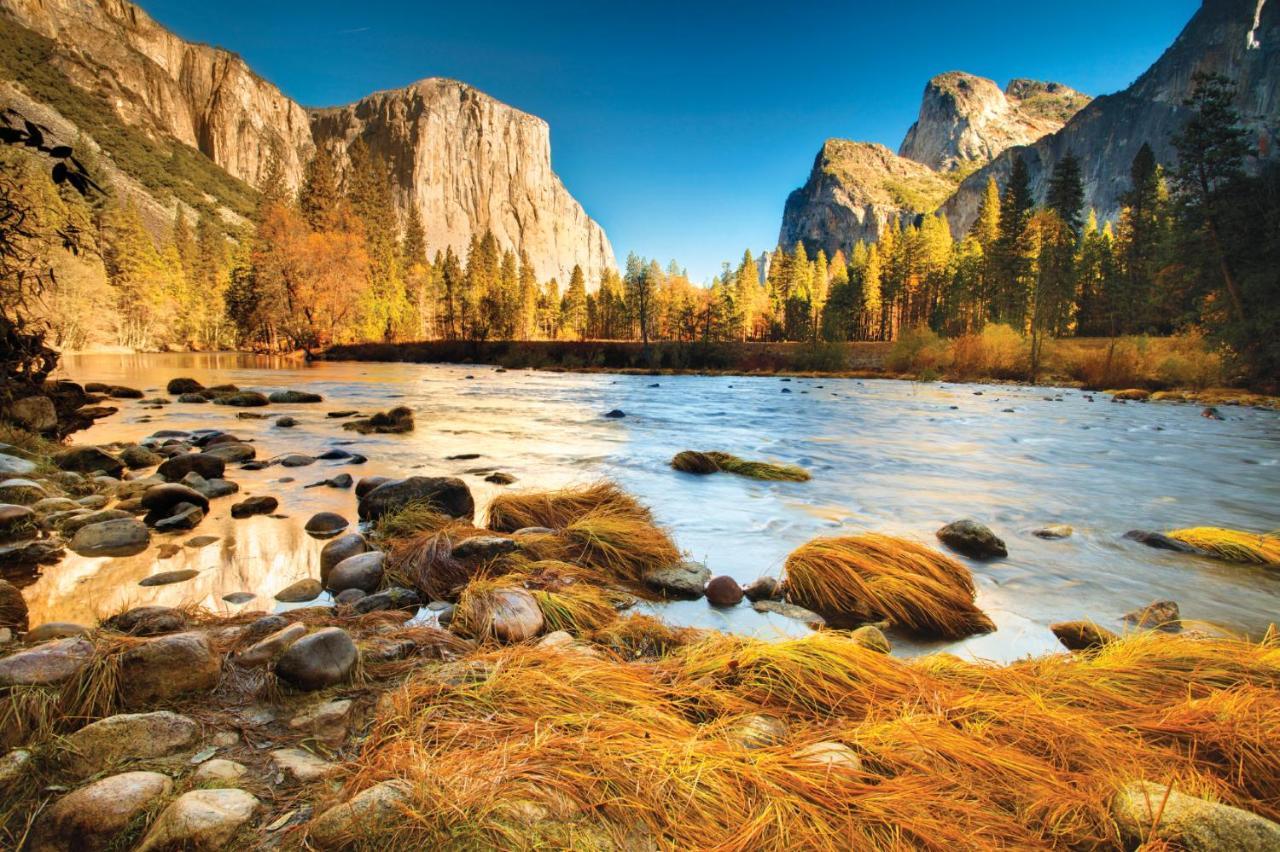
<point x="557" y="509"/>
<point x="615" y="542"/>
<point x="1232" y="545"/>
<point x="577" y="608"/>
<point x="868" y="577"/>
<point x="549" y="749"/>
<point x="637" y="636"/>
<point x="692" y="461"/>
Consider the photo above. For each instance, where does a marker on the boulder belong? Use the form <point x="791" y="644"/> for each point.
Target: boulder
<point x="37" y="552"/>
<point x="342" y="826"/>
<point x="446" y="494"/>
<point x="682" y="580"/>
<point x="484" y="548"/>
<point x="166" y="667"/>
<point x="326" y="524"/>
<point x="830" y="755"/>
<point x="91" y="817"/>
<point x="183" y="385"/>
<point x="265" y="650"/>
<point x="13" y="607"/>
<point x="128" y="736"/>
<point x="760" y="731"/>
<point x="148" y="621"/>
<point x="72" y="523"/>
<point x="242" y="399"/>
<point x="48" y="664"/>
<point x="200" y="819"/>
<point x="294" y="396"/>
<point x="348" y="596"/>
<point x="339" y="549"/>
<point x="89" y="460"/>
<point x="363" y="571"/>
<point x="36" y="413"/>
<point x="260" y="505"/>
<point x="162" y="499"/>
<point x="1082" y="635"/>
<point x="1193" y="824"/>
<point x="1160" y="615"/>
<point x="513" y="615"/>
<point x="306" y="589"/>
<point x="16" y="521"/>
<point x="723" y="591"/>
<point x="123" y="392"/>
<point x="175" y="468"/>
<point x="318" y="660"/>
<point x="972" y="539"/>
<point x="49" y="505"/>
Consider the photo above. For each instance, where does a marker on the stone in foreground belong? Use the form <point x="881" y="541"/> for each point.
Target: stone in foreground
<point x="321" y="659"/>
<point x="1193" y="824"/>
<point x="201" y="819"/>
<point x="972" y="539"/>
<point x="129" y="736"/>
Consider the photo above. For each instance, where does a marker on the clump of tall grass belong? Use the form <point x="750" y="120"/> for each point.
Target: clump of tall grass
<point x="424" y="560"/>
<point x="868" y="577"/>
<point x="577" y="609"/>
<point x="1232" y="545"/>
<point x="692" y="461"/>
<point x="643" y="636"/>
<point x="410" y="519"/>
<point x="557" y="509"/>
<point x="617" y="543"/>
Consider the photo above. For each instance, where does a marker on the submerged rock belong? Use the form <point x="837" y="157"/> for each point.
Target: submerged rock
<point x="294" y="396"/>
<point x="396" y="421"/>
<point x="261" y="505"/>
<point x="972" y="539"/>
<point x="1161" y="615"/>
<point x="1053" y="531"/>
<point x="242" y="399"/>
<point x="1160" y="541"/>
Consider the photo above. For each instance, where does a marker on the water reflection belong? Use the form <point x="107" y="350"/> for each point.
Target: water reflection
<point x="892" y="457"/>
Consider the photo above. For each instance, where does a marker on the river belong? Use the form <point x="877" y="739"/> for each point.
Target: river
<point x="895" y="457"/>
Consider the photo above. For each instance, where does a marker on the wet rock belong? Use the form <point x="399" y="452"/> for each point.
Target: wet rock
<point x="70" y="524"/>
<point x="183" y="385"/>
<point x="388" y="599"/>
<point x="326" y="722"/>
<point x="35" y="413"/>
<point x="162" y="499"/>
<point x="148" y="621"/>
<point x="1082" y="635"/>
<point x="447" y="494"/>
<point x="799" y="613"/>
<point x="55" y="630"/>
<point x="14" y="466"/>
<point x="201" y="819"/>
<point x="165" y="578"/>
<point x="294" y="396"/>
<point x="1212" y="413"/>
<point x="219" y="390"/>
<point x="136" y="458"/>
<point x="297" y="460"/>
<point x="13" y="607"/>
<point x="1192" y="824"/>
<point x="339" y="549"/>
<point x="343" y="825"/>
<point x="21" y="491"/>
<point x="242" y="399"/>
<point x="263" y="627"/>
<point x="334" y="455"/>
<point x="238" y="598"/>
<point x="175" y="468"/>
<point x="972" y="539"/>
<point x="129" y="736"/>
<point x="230" y="452"/>
<point x="682" y="580"/>
<point x="307" y="589"/>
<point x="220" y="771"/>
<point x="368" y="483"/>
<point x="318" y="660"/>
<point x="831" y="755"/>
<point x="396" y="421"/>
<point x="267" y="649"/>
<point x="193" y="398"/>
<point x="185" y="517"/>
<point x="261" y="505"/>
<point x="342" y="480"/>
<point x="760" y="731"/>
<point x="91" y="817"/>
<point x="123" y="392"/>
<point x="326" y="524"/>
<point x="763" y="589"/>
<point x="500" y="478"/>
<point x="286" y="422"/>
<point x="1053" y="531"/>
<point x="166" y="667"/>
<point x="302" y="766"/>
<point x="37" y="552"/>
<point x="1161" y="615"/>
<point x="49" y="505"/>
<point x="615" y="414"/>
<point x="723" y="591"/>
<point x="364" y="572"/>
<point x="871" y="637"/>
<point x="348" y="596"/>
<point x="89" y="460"/>
<point x="484" y="548"/>
<point x="338" y="415"/>
<point x="1160" y="541"/>
<point x="200" y="541"/>
<point x="121" y="537"/>
<point x="16" y="521"/>
<point x="47" y="664"/>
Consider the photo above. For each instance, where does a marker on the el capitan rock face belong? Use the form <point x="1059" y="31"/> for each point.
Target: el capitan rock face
<point x="471" y="163"/>
<point x="1107" y="133"/>
<point x="966" y="120"/>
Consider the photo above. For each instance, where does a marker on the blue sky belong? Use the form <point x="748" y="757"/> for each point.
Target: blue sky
<point x="682" y="126"/>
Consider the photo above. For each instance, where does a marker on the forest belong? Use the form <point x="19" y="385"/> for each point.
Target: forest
<point x="1194" y="252"/>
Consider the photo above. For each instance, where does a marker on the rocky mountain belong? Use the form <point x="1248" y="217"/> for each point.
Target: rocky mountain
<point x="147" y="99"/>
<point x="1239" y="39"/>
<point x="967" y="120"/>
<point x="471" y="163"/>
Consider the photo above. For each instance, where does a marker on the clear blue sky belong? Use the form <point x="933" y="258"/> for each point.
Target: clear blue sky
<point x="682" y="126"/>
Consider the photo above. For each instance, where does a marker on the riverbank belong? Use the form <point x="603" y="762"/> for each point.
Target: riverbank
<point x="528" y="705"/>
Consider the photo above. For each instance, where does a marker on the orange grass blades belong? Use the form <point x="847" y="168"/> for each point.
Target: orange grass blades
<point x="1233" y="545"/>
<point x="862" y="578"/>
<point x="558" y="509"/>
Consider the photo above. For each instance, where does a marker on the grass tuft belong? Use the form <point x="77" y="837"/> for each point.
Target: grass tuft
<point x="558" y="509"/>
<point x="1232" y="545"/>
<point x="692" y="461"/>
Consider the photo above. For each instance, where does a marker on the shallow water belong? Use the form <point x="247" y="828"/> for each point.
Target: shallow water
<point x="886" y="456"/>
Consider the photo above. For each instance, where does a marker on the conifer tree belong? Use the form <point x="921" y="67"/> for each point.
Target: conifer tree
<point x="319" y="198"/>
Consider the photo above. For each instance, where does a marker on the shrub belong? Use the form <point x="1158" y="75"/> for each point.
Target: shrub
<point x="918" y="349"/>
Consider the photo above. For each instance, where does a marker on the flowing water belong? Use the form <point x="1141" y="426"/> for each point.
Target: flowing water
<point x="887" y="456"/>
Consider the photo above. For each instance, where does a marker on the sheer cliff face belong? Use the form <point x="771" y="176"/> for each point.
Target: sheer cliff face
<point x="967" y="120"/>
<point x="472" y="163"/>
<point x="855" y="188"/>
<point x="466" y="160"/>
<point x="203" y="96"/>
<point x="1105" y="136"/>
